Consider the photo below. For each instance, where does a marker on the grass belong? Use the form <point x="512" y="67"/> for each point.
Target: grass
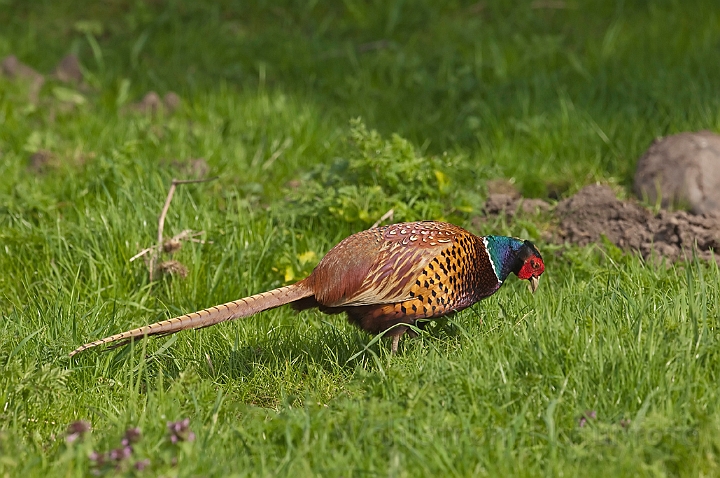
<point x="452" y="96"/>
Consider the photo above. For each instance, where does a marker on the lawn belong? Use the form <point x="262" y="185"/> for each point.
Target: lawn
<point x="315" y="118"/>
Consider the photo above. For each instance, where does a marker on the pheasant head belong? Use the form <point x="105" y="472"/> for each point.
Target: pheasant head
<point x="510" y="254"/>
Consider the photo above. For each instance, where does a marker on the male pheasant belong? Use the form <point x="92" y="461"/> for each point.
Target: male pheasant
<point x="384" y="278"/>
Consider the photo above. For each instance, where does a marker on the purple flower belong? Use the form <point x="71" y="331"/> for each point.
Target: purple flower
<point x="98" y="458"/>
<point x="180" y="431"/>
<point x="119" y="454"/>
<point x="80" y="426"/>
<point x="179" y="427"/>
<point x="76" y="430"/>
<point x="142" y="464"/>
<point x="587" y="415"/>
<point x="132" y="435"/>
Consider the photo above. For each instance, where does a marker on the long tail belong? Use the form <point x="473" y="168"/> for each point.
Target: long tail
<point x="214" y="315"/>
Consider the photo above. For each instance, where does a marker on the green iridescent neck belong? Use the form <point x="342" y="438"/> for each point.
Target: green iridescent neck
<point x="502" y="251"/>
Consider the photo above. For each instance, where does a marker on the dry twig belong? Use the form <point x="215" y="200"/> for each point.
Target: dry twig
<point x="173" y="244"/>
<point x="387" y="215"/>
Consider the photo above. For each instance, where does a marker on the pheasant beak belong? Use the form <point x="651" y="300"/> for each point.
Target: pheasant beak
<point x="534" y="282"/>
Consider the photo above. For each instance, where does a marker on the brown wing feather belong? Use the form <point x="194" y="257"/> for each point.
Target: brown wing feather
<point x="344" y="267"/>
<point x="381" y="265"/>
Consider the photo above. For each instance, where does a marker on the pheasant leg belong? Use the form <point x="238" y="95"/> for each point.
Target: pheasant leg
<point x="395" y="342"/>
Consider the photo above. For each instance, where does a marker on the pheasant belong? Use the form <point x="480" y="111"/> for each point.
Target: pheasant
<point x="385" y="278"/>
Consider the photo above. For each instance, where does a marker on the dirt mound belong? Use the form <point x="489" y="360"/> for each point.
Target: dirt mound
<point x="684" y="169"/>
<point x="595" y="211"/>
<point x="13" y="68"/>
<point x="152" y="103"/>
<point x="69" y="70"/>
<point x="510" y="205"/>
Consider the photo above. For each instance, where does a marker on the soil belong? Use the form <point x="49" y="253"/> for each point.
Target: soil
<point x="13" y="68"/>
<point x="595" y="211"/>
<point x="152" y="103"/>
<point x="509" y="204"/>
<point x="41" y="161"/>
<point x="69" y="70"/>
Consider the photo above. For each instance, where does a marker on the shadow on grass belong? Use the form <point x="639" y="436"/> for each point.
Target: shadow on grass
<point x="329" y="348"/>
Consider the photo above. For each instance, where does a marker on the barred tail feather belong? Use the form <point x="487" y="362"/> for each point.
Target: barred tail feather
<point x="214" y="315"/>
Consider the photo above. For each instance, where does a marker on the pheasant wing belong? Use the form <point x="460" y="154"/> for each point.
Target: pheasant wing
<point x="381" y="265"/>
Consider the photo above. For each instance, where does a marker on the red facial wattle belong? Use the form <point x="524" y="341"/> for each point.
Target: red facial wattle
<point x="533" y="267"/>
<point x="531" y="270"/>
